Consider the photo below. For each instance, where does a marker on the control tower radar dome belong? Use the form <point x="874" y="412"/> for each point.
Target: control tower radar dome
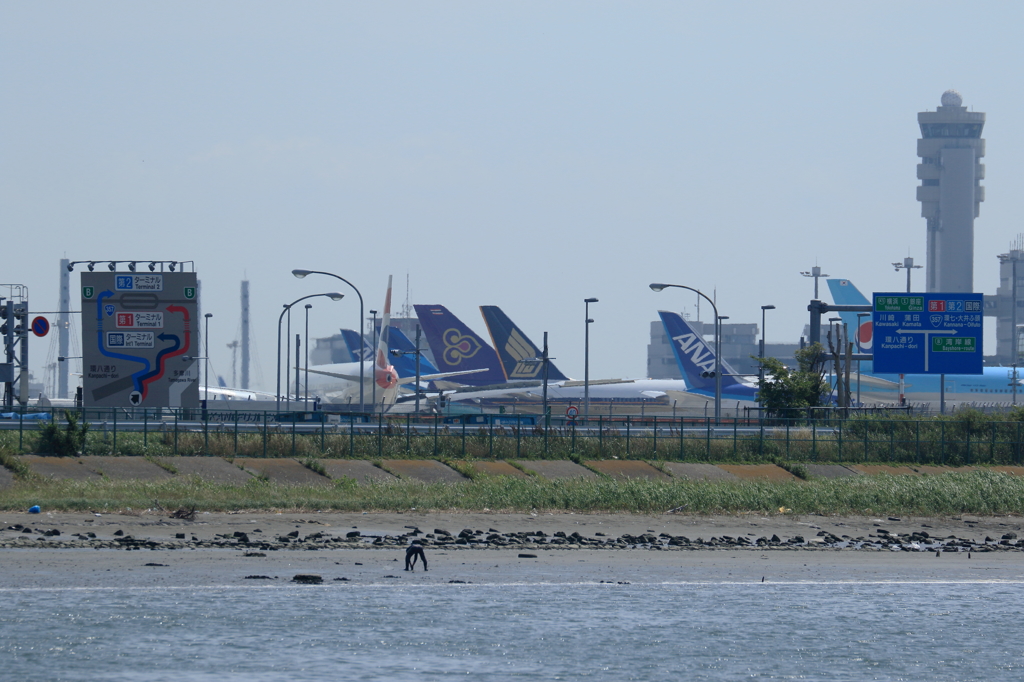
<point x="952" y="98"/>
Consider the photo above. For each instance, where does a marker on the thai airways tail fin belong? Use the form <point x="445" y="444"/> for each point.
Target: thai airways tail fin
<point x="844" y="293"/>
<point x="695" y="358"/>
<point x="406" y="364"/>
<point x="456" y="347"/>
<point x="517" y="353"/>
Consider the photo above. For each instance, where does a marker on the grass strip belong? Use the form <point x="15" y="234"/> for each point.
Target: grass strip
<point x="975" y="492"/>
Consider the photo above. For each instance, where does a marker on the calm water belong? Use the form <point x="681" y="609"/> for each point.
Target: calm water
<point x="852" y="631"/>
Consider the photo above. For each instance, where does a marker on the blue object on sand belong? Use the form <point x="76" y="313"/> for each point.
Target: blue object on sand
<point x="34" y="509"/>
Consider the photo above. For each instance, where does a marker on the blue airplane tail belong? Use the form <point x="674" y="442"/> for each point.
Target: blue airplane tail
<point x="844" y="293"/>
<point x="518" y="354"/>
<point x="406" y="364"/>
<point x="456" y="347"/>
<point x="695" y="358"/>
<point x="355" y="346"/>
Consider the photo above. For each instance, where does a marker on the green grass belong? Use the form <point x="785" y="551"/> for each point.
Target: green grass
<point x="977" y="492"/>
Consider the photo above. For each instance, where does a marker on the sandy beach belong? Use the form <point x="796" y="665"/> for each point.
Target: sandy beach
<point x="31" y="560"/>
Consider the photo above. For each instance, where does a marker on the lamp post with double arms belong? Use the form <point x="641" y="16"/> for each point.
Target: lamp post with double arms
<point x="362" y="343"/>
<point x="718" y="342"/>
<point x="418" y="352"/>
<point x="586" y="359"/>
<point x="334" y="296"/>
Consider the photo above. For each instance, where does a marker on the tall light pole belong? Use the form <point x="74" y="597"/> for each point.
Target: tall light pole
<point x="305" y="400"/>
<point x="908" y="265"/>
<point x="586" y="359"/>
<point x="418" y="353"/>
<point x="373" y="332"/>
<point x="362" y="342"/>
<point x="206" y="340"/>
<point x="718" y="343"/>
<point x="761" y="370"/>
<point x="814" y="272"/>
<point x="860" y="351"/>
<point x="334" y="296"/>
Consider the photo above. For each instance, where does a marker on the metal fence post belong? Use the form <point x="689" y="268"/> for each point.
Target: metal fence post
<point x="682" y="450"/>
<point x="351" y="435"/>
<point x="113" y="449"/>
<point x="707" y="427"/>
<point x="323" y="434"/>
<point x="145" y="427"/>
<point x="175" y="432"/>
<point x="600" y="434"/>
<point x="490" y="440"/>
<point x="519" y="434"/>
<point x="295" y="420"/>
<point x="380" y="435"/>
<point x="206" y="432"/>
<point x="21" y="426"/>
<point x="266" y="428"/>
<point x="236" y="432"/>
<point x="655" y="436"/>
<point x="942" y="442"/>
<point x="628" y="424"/>
<point x="437" y="419"/>
<point x="463" y="437"/>
<point x="408" y="433"/>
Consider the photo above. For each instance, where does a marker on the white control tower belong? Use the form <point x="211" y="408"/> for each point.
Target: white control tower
<point x="950" y="193"/>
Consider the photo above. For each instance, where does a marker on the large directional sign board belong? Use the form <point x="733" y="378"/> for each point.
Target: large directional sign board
<point x="137" y="331"/>
<point x="927" y="333"/>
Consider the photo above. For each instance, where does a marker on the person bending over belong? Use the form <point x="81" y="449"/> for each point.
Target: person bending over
<point x="414" y="551"/>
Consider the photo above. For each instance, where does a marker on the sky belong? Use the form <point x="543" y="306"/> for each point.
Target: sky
<point x="521" y="154"/>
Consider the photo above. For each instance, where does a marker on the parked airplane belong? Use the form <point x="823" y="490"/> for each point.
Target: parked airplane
<point x="340" y="382"/>
<point x="518" y="356"/>
<point x="697" y="361"/>
<point x="994" y="385"/>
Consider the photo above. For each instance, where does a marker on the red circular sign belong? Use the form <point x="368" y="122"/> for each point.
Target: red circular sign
<point x="40" y="326"/>
<point x="572" y="412"/>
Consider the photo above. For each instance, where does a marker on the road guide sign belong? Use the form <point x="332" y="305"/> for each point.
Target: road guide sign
<point x="138" y="339"/>
<point x="927" y="333"/>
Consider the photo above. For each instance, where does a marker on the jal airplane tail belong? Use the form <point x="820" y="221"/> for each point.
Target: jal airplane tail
<point x="695" y="358"/>
<point x="844" y="293"/>
<point x="517" y="353"/>
<point x="457" y="348"/>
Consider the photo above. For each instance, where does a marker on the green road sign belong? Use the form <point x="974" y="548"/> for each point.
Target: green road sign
<point x="899" y="304"/>
<point x="947" y="344"/>
<point x="190" y="293"/>
<point x="88" y="292"/>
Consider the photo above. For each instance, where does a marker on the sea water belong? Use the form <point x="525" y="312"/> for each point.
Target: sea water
<point x="699" y="631"/>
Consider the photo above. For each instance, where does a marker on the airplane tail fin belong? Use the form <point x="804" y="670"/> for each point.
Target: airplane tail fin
<point x="695" y="358"/>
<point x="383" y="372"/>
<point x="406" y="364"/>
<point x="456" y="347"/>
<point x="354" y="343"/>
<point x="517" y="353"/>
<point x="844" y="293"/>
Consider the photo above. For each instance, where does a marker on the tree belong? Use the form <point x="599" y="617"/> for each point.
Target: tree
<point x="785" y="392"/>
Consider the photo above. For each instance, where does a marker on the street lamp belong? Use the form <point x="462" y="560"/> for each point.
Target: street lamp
<point x="761" y="370"/>
<point x="206" y="352"/>
<point x="418" y="353"/>
<point x="334" y="296"/>
<point x="586" y="359"/>
<point x="362" y="343"/>
<point x="718" y="343"/>
<point x="305" y="402"/>
<point x="373" y="332"/>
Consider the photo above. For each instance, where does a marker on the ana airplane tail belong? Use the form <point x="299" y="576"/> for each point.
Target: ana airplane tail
<point x="844" y="293"/>
<point x="456" y="347"/>
<point x="695" y="358"/>
<point x="517" y="353"/>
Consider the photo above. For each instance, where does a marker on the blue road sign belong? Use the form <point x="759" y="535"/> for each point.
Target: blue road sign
<point x="40" y="326"/>
<point x="931" y="333"/>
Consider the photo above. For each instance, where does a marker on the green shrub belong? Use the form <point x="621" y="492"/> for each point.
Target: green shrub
<point x="66" y="441"/>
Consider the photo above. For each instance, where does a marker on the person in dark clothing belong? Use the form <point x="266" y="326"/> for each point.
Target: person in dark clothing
<point x="411" y="553"/>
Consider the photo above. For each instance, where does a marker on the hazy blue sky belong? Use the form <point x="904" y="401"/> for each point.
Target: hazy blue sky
<point x="525" y="154"/>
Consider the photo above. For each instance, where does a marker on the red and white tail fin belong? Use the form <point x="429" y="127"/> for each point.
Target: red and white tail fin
<point x="383" y="373"/>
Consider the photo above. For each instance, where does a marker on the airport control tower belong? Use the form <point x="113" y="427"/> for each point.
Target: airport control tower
<point x="950" y="193"/>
